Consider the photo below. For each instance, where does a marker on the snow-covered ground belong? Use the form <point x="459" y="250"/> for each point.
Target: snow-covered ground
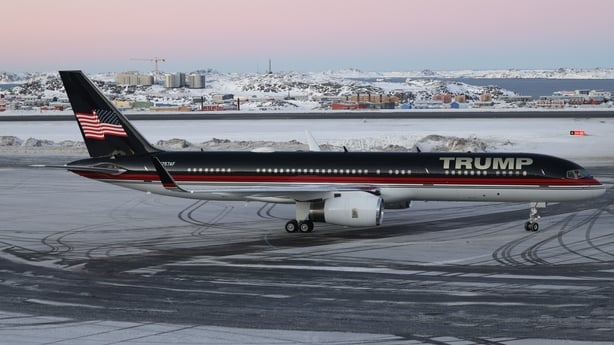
<point x="549" y="136"/>
<point x="289" y="91"/>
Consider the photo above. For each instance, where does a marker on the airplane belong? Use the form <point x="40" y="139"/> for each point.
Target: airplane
<point x="343" y="188"/>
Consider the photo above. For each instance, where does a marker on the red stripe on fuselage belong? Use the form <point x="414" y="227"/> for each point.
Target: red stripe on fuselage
<point x="368" y="180"/>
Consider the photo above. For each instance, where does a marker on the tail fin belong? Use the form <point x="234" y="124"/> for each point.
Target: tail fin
<point x="105" y="130"/>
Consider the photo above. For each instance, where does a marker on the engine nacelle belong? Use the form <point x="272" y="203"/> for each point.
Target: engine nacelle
<point x="349" y="209"/>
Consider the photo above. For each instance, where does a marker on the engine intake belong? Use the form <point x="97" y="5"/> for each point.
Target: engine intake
<point x="349" y="209"/>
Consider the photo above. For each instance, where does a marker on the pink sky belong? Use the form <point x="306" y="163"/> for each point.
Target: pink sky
<point x="305" y="35"/>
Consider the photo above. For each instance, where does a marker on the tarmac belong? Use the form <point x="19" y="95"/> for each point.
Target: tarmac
<point x="83" y="262"/>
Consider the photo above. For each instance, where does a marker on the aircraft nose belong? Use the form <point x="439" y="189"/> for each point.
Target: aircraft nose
<point x="600" y="187"/>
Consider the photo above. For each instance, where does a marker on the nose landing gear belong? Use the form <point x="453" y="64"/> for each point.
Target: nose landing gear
<point x="531" y="224"/>
<point x="528" y="226"/>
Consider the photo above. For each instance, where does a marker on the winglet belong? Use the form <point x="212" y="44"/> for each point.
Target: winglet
<point x="311" y="141"/>
<point x="167" y="180"/>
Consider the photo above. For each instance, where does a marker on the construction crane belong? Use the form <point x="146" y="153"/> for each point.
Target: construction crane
<point x="155" y="60"/>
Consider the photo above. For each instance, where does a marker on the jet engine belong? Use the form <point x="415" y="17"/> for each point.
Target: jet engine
<point x="349" y="209"/>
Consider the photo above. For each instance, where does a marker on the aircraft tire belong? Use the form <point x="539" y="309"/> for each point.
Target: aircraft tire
<point x="291" y="226"/>
<point x="306" y="226"/>
<point x="533" y="227"/>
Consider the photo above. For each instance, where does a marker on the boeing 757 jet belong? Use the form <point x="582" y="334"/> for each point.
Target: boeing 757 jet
<point x="343" y="188"/>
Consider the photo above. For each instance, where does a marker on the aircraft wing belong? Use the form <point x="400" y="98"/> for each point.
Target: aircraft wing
<point x="302" y="193"/>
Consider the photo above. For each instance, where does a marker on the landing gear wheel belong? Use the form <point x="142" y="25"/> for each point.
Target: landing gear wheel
<point x="531" y="224"/>
<point x="292" y="226"/>
<point x="534" y="227"/>
<point x="306" y="226"/>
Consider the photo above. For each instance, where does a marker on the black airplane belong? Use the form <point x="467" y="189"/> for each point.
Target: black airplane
<point x="343" y="188"/>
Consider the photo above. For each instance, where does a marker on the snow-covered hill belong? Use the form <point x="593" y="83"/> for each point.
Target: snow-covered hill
<point x="296" y="91"/>
<point x="296" y="88"/>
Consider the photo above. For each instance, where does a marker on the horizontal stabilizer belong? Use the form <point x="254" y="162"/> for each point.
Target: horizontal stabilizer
<point x="102" y="170"/>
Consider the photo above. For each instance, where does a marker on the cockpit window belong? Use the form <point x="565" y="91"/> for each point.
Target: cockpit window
<point x="578" y="174"/>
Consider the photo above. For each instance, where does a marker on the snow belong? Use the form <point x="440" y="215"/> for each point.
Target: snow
<point x="560" y="73"/>
<point x="548" y="136"/>
<point x="266" y="93"/>
<point x="301" y="91"/>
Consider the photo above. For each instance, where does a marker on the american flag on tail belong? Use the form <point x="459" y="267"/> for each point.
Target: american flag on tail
<point x="99" y="124"/>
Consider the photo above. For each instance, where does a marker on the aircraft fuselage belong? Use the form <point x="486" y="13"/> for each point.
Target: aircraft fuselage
<point x="395" y="176"/>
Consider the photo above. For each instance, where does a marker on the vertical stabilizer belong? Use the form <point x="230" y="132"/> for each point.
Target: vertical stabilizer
<point x="105" y="130"/>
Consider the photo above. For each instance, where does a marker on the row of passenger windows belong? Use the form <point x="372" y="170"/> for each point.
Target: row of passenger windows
<point x="209" y="170"/>
<point x="485" y="173"/>
<point x="302" y="171"/>
<point x="329" y="171"/>
<point x="354" y="171"/>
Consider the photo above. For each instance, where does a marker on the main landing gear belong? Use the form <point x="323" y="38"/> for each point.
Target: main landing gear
<point x="304" y="226"/>
<point x="531" y="224"/>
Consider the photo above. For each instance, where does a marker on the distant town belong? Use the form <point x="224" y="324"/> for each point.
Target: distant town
<point x="212" y="91"/>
